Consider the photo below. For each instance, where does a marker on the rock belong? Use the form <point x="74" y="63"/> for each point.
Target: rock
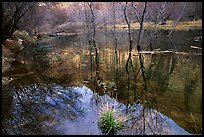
<point x="20" y="41"/>
<point x="35" y="37"/>
<point x="13" y="45"/>
<point x="5" y="65"/>
<point x="24" y="36"/>
<point x="194" y="47"/>
<point x="6" y="80"/>
<point x="13" y="37"/>
<point x="91" y="106"/>
<point x="6" y="52"/>
<point x="199" y="38"/>
<point x="41" y="36"/>
<point x="7" y="57"/>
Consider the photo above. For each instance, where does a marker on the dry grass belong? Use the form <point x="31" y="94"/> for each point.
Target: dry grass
<point x="186" y="25"/>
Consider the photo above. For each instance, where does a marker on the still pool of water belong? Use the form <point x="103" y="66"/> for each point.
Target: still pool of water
<point x="34" y="103"/>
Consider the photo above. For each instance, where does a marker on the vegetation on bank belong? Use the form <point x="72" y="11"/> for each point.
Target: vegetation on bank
<point x="184" y="25"/>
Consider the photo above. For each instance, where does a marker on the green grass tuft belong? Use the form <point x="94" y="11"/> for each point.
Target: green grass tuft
<point x="110" y="123"/>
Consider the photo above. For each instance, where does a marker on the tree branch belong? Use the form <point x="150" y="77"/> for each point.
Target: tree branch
<point x="177" y="19"/>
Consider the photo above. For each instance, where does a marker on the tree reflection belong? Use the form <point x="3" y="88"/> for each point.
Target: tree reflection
<point x="191" y="80"/>
<point x="7" y="99"/>
<point x="159" y="71"/>
<point x="33" y="105"/>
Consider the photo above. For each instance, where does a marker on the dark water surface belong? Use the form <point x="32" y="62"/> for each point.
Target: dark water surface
<point x="172" y="82"/>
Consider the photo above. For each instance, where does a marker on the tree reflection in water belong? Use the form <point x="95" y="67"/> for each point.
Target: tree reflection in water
<point x="159" y="71"/>
<point x="35" y="108"/>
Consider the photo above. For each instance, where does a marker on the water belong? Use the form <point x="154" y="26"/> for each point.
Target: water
<point x="173" y="82"/>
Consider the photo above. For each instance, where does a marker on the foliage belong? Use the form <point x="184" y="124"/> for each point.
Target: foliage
<point x="107" y="86"/>
<point x="110" y="123"/>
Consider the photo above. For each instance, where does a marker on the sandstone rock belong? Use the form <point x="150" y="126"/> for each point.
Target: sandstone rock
<point x="7" y="57"/>
<point x="24" y="36"/>
<point x="13" y="46"/>
<point x="20" y="41"/>
<point x="6" y="52"/>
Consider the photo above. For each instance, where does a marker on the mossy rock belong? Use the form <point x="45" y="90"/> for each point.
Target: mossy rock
<point x="24" y="36"/>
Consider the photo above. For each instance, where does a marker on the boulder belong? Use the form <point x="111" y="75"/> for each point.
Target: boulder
<point x="13" y="46"/>
<point x="24" y="36"/>
<point x="7" y="57"/>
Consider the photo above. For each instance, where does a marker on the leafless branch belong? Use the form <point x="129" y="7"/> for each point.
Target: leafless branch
<point x="184" y="6"/>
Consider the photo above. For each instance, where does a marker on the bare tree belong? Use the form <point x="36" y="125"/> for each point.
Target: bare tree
<point x="178" y="19"/>
<point x="105" y="26"/>
<point x="140" y="18"/>
<point x="129" y="35"/>
<point x="141" y="32"/>
<point x="87" y="22"/>
<point x="93" y="23"/>
<point x="114" y="31"/>
<point x="34" y="19"/>
<point x="156" y="19"/>
<point x="12" y="13"/>
<point x="129" y="60"/>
